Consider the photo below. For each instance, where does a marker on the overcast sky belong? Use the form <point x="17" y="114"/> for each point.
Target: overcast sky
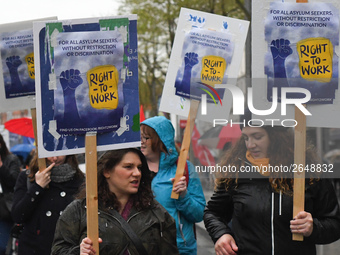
<point x="22" y="10"/>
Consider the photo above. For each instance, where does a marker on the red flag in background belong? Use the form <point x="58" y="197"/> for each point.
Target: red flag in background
<point x="201" y="152"/>
<point x="141" y="114"/>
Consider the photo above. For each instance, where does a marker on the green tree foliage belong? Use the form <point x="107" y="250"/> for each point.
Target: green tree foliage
<point x="156" y="26"/>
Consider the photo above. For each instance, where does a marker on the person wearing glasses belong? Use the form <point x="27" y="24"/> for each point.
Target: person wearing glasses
<point x="158" y="146"/>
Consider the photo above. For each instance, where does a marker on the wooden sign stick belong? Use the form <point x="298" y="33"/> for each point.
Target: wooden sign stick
<point x="183" y="155"/>
<point x="92" y="189"/>
<point x="299" y="159"/>
<point x="41" y="161"/>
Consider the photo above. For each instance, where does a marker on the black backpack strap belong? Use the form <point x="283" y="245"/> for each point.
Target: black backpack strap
<point x="131" y="234"/>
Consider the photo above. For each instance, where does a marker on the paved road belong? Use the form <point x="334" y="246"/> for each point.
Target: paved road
<point x="329" y="249"/>
<point x="205" y="245"/>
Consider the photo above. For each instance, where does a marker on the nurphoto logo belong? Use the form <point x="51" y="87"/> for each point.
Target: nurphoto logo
<point x="238" y="106"/>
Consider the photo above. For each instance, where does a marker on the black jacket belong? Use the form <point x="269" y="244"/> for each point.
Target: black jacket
<point x="39" y="209"/>
<point x="155" y="227"/>
<point x="9" y="172"/>
<point x="249" y="209"/>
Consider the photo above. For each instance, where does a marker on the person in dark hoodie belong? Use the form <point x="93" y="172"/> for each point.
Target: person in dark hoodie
<point x="251" y="213"/>
<point x="158" y="146"/>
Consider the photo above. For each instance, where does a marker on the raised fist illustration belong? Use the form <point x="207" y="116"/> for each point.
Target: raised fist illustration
<point x="191" y="59"/>
<point x="70" y="79"/>
<point x="280" y="48"/>
<point x="13" y="63"/>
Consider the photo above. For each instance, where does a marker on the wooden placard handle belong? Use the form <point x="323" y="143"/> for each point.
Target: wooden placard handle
<point x="299" y="160"/>
<point x="183" y="155"/>
<point x="92" y="189"/>
<point x="41" y="161"/>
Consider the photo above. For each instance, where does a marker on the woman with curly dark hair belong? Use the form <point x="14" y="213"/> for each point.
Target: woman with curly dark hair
<point x="251" y="209"/>
<point x="124" y="187"/>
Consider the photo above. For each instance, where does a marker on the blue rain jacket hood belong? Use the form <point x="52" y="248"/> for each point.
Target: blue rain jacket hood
<point x="166" y="133"/>
<point x="188" y="209"/>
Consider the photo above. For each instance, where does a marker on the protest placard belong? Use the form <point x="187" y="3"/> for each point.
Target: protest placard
<point x="17" y="76"/>
<point x="308" y="35"/>
<point x="301" y="40"/>
<point x="209" y="50"/>
<point x="87" y="81"/>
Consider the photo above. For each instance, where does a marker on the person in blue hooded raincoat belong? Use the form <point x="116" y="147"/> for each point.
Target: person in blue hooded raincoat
<point x="158" y="146"/>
